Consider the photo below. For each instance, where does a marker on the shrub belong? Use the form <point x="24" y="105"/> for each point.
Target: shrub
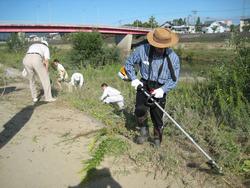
<point x="229" y="86"/>
<point x="217" y="111"/>
<point x="89" y="49"/>
<point x="85" y="47"/>
<point x="11" y="58"/>
<point x="16" y="42"/>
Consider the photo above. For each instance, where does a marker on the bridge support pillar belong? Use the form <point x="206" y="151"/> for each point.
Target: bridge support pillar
<point x="124" y="42"/>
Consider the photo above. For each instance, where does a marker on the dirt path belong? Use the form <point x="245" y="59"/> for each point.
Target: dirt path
<point x="34" y="154"/>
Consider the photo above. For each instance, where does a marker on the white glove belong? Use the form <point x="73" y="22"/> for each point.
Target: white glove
<point x="123" y="77"/>
<point x="158" y="93"/>
<point x="24" y="73"/>
<point x="135" y="83"/>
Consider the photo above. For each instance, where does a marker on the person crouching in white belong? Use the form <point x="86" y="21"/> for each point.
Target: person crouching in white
<point x="76" y="81"/>
<point x="112" y="95"/>
<point x="62" y="73"/>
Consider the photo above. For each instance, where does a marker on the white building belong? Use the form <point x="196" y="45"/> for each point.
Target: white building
<point x="218" y="27"/>
<point x="244" y="22"/>
<point x="54" y="36"/>
<point x="179" y="28"/>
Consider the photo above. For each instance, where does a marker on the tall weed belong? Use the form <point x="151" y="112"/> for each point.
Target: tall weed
<point x="215" y="112"/>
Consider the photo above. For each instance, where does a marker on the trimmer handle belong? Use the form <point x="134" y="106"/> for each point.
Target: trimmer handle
<point x="150" y="98"/>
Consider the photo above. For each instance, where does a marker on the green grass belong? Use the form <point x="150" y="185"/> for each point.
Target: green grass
<point x="182" y="104"/>
<point x="108" y="145"/>
<point x="198" y="62"/>
<point x="11" y="59"/>
<point x="2" y="77"/>
<point x="229" y="146"/>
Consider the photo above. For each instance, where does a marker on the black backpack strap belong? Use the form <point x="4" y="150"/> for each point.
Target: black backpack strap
<point x="150" y="59"/>
<point x="170" y="67"/>
<point x="161" y="66"/>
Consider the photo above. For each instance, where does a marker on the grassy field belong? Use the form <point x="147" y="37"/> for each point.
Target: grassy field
<point x="229" y="146"/>
<point x="221" y="142"/>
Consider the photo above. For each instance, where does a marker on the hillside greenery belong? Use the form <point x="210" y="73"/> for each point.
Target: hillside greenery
<point x="216" y="112"/>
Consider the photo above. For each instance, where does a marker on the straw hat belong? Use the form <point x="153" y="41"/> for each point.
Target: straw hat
<point x="162" y="38"/>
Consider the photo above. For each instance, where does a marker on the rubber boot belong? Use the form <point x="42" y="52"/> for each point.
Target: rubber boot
<point x="157" y="143"/>
<point x="158" y="136"/>
<point x="144" y="135"/>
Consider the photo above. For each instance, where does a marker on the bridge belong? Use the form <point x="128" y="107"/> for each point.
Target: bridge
<point x="123" y="34"/>
<point x="40" y="28"/>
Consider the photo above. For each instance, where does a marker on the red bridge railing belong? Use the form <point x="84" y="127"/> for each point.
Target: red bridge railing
<point x="72" y="28"/>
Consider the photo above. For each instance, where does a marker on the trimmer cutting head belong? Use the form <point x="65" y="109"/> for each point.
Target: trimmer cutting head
<point x="213" y="165"/>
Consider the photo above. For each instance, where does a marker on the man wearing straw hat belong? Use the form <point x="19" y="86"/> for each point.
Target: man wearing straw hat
<point x="159" y="68"/>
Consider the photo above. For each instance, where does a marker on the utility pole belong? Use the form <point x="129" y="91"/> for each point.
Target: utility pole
<point x="194" y="16"/>
<point x="188" y="19"/>
<point x="243" y="9"/>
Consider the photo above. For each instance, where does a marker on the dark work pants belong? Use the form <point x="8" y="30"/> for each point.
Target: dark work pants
<point x="156" y="114"/>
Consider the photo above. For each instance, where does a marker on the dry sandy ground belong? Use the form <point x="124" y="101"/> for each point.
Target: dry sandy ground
<point x="34" y="153"/>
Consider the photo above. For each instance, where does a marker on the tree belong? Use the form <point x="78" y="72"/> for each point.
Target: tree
<point x="246" y="28"/>
<point x="152" y="22"/>
<point x="86" y="46"/>
<point x="198" y="24"/>
<point x="179" y="21"/>
<point x="198" y="21"/>
<point x="16" y="42"/>
<point x="90" y="49"/>
<point x="137" y="23"/>
<point x="234" y="28"/>
<point x="184" y="21"/>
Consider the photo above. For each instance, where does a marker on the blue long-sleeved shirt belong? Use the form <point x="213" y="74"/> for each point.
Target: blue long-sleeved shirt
<point x="140" y="57"/>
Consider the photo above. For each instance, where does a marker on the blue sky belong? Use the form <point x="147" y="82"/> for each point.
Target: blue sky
<point x="115" y="12"/>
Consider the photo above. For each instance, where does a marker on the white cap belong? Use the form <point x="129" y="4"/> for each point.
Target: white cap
<point x="45" y="42"/>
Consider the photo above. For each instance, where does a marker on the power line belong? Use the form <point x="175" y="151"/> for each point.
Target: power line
<point x="181" y="12"/>
<point x="224" y="10"/>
